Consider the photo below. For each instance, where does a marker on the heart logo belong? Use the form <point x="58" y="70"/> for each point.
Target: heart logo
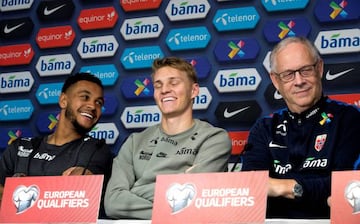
<point x="180" y="196"/>
<point x="25" y="197"/>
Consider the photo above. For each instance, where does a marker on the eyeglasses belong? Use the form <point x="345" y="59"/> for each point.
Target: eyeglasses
<point x="289" y="75"/>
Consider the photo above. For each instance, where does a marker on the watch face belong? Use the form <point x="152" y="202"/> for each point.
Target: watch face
<point x="298" y="190"/>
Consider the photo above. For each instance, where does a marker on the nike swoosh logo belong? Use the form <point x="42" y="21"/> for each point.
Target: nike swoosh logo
<point x="273" y="145"/>
<point x="9" y="30"/>
<point x="277" y="95"/>
<point x="231" y="114"/>
<point x="51" y="11"/>
<point x="330" y="76"/>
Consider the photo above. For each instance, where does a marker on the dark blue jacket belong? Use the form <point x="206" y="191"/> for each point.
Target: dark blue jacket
<point x="306" y="147"/>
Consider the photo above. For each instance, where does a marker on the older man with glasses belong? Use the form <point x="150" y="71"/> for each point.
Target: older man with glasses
<point x="302" y="144"/>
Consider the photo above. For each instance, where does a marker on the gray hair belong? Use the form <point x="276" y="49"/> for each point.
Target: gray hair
<point x="283" y="43"/>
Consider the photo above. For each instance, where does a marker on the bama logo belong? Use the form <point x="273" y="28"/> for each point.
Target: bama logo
<point x="203" y="99"/>
<point x="236" y="50"/>
<point x="281" y="5"/>
<point x="58" y="36"/>
<point x="137" y="87"/>
<point x="188" y="38"/>
<point x="19" y="54"/>
<point x="49" y="93"/>
<point x="99" y="18"/>
<point x="141" y="28"/>
<point x="53" y="65"/>
<point x="140" y="117"/>
<point x="140" y="57"/>
<point x="107" y="131"/>
<point x="11" y="5"/>
<point x="97" y="47"/>
<point x="338" y="41"/>
<point x="185" y="10"/>
<point x="137" y="5"/>
<point x="276" y="30"/>
<point x="14" y="110"/>
<point x="16" y="82"/>
<point x="237" y="80"/>
<point x="108" y="74"/>
<point x="339" y="10"/>
<point x="236" y="19"/>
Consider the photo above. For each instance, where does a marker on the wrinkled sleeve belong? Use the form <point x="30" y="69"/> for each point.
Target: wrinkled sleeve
<point x="120" y="202"/>
<point x="214" y="153"/>
<point x="7" y="162"/>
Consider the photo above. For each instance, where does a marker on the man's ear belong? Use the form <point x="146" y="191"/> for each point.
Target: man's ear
<point x="62" y="101"/>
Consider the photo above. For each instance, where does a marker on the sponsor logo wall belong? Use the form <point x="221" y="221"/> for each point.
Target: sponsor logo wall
<point x="228" y="43"/>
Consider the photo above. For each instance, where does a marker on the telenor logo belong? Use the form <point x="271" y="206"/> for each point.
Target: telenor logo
<point x="185" y="10"/>
<point x="236" y="49"/>
<point x="141" y="116"/>
<point x="131" y="5"/>
<point x="20" y="54"/>
<point x="140" y="57"/>
<point x="46" y="121"/>
<point x="99" y="18"/>
<point x="108" y="74"/>
<point x="9" y="5"/>
<point x="97" y="47"/>
<point x="58" y="36"/>
<point x="338" y="41"/>
<point x="49" y="93"/>
<point x="57" y="64"/>
<point x="334" y="11"/>
<point x="236" y="19"/>
<point x="15" y="82"/>
<point x="188" y="38"/>
<point x="240" y="111"/>
<point x="141" y="28"/>
<point x="277" y="5"/>
<point x="107" y="131"/>
<point x="13" y="110"/>
<point x="237" y="80"/>
<point x="276" y="30"/>
<point x="137" y="87"/>
<point x="59" y="10"/>
<point x="202" y="66"/>
<point x="203" y="100"/>
<point x="16" y="28"/>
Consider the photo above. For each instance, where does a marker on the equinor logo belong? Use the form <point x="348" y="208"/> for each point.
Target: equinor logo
<point x="140" y="117"/>
<point x="188" y="38"/>
<point x="97" y="47"/>
<point x="140" y="28"/>
<point x="15" y="110"/>
<point x="59" y="64"/>
<point x="140" y="57"/>
<point x="185" y="10"/>
<point x="338" y="41"/>
<point x="15" y="82"/>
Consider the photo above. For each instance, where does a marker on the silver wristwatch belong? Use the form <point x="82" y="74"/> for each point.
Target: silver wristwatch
<point x="298" y="190"/>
